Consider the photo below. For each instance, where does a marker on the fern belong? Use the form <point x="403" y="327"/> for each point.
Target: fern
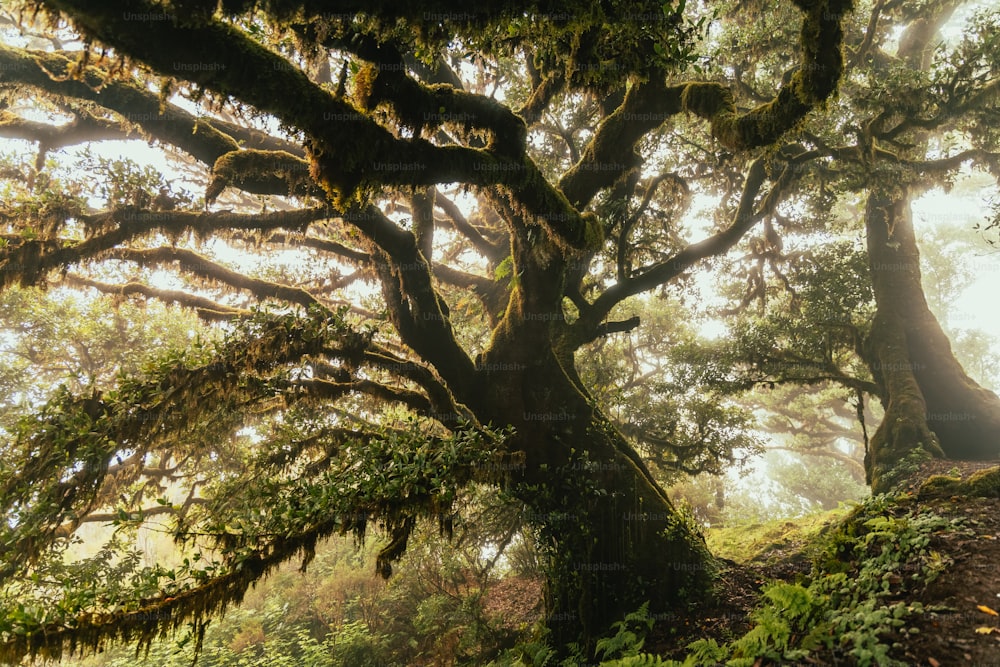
<point x="627" y="642"/>
<point x="642" y="660"/>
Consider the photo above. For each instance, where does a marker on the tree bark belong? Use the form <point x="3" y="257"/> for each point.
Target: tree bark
<point x="932" y="405"/>
<point x="612" y="537"/>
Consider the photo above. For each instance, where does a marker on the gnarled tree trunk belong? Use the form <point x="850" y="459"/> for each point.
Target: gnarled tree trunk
<point x="931" y="403"/>
<point x="612" y="537"/>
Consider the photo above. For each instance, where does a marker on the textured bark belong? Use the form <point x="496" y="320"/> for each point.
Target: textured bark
<point x="613" y="538"/>
<point x="931" y="403"/>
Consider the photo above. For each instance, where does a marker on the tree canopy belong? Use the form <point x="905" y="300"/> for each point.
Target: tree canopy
<point x="430" y="245"/>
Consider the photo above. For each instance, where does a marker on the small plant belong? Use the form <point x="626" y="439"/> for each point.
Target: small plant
<point x="621" y="649"/>
<point x="629" y="636"/>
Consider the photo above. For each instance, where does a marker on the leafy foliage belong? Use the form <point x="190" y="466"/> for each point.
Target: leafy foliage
<point x="854" y="602"/>
<point x="498" y="208"/>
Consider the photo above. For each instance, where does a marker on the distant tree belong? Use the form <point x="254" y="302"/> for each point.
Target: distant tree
<point x="852" y="310"/>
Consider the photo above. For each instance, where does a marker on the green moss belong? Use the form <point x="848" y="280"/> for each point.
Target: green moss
<point x="983" y="484"/>
<point x="272" y="172"/>
<point x="940" y="485"/>
<point x="706" y="99"/>
<point x="593" y="232"/>
<point x="768" y="541"/>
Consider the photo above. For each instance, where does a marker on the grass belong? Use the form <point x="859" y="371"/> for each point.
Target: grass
<point x="771" y="540"/>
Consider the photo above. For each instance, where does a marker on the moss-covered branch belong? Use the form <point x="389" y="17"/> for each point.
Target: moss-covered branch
<point x="262" y="172"/>
<point x="74" y="438"/>
<point x="417" y="311"/>
<point x="423" y="108"/>
<point x="207" y="309"/>
<point x="815" y="80"/>
<point x="27" y="261"/>
<point x="349" y="150"/>
<point x="444" y="408"/>
<point x="135" y="103"/>
<point x="611" y="152"/>
<point x="201" y="266"/>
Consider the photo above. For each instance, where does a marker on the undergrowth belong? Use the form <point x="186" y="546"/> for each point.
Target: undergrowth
<point x="853" y="606"/>
<point x="851" y="609"/>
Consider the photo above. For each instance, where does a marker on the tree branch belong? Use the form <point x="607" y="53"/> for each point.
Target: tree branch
<point x="203" y="267"/>
<point x="743" y="220"/>
<point x="206" y="308"/>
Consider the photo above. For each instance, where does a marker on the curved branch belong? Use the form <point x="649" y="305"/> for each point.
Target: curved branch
<point x="262" y="172"/>
<point x="611" y="152"/>
<point x="857" y="467"/>
<point x="417" y="311"/>
<point x="206" y="308"/>
<point x="744" y="219"/>
<point x="203" y="267"/>
<point x="489" y="250"/>
<point x="329" y="389"/>
<point x="444" y="407"/>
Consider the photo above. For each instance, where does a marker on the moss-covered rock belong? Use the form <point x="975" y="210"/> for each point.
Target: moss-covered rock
<point x="984" y="484"/>
<point x="981" y="484"/>
<point x="940" y="485"/>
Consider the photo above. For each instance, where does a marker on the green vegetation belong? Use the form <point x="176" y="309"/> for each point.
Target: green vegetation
<point x="849" y="606"/>
<point x="520" y="296"/>
<point x="747" y="542"/>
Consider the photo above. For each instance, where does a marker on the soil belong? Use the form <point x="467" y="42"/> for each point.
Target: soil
<point x="959" y="625"/>
<point x="963" y="628"/>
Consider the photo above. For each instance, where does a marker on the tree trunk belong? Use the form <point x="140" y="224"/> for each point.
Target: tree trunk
<point x="931" y="404"/>
<point x="613" y="539"/>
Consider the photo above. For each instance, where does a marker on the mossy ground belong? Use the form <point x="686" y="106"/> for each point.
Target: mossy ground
<point x="771" y="542"/>
<point x="957" y="624"/>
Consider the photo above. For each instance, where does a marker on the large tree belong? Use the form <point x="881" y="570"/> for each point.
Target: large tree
<point x="511" y="178"/>
<point x="931" y="403"/>
<point x="914" y="111"/>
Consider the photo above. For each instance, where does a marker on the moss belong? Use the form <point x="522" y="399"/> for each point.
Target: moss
<point x="983" y="484"/>
<point x="271" y="172"/>
<point x="593" y="232"/>
<point x="364" y="86"/>
<point x="706" y="99"/>
<point x="772" y="541"/>
<point x="940" y="485"/>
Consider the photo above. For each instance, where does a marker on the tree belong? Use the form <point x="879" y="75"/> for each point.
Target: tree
<point x="856" y="315"/>
<point x="929" y="398"/>
<point x="507" y="228"/>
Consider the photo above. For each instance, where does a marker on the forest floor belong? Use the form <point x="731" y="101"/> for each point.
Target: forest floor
<point x="959" y="624"/>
